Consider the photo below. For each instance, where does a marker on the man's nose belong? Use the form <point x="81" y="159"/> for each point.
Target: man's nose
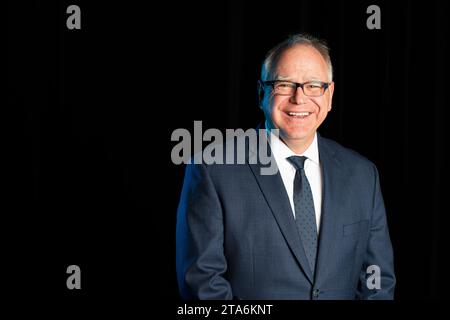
<point x="299" y="96"/>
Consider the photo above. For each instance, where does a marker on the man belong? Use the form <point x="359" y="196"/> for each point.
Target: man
<point x="316" y="229"/>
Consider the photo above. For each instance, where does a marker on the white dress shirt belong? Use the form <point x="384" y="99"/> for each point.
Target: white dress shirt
<point x="287" y="171"/>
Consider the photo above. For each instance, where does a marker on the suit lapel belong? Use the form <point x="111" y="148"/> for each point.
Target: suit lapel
<point x="274" y="192"/>
<point x="334" y="188"/>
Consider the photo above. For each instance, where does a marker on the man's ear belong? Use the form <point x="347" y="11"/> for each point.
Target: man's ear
<point x="331" y="90"/>
<point x="260" y="93"/>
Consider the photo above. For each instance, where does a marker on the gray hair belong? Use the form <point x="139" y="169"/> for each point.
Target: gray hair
<point x="275" y="53"/>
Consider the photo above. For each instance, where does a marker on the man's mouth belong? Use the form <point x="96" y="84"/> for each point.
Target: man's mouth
<point x="300" y="115"/>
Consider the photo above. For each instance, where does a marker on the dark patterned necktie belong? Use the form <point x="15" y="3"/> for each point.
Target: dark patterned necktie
<point x="305" y="216"/>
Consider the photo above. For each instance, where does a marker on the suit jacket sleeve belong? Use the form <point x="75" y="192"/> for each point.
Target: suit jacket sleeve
<point x="379" y="251"/>
<point x="201" y="262"/>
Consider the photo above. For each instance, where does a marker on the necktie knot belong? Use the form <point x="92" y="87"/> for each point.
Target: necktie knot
<point x="297" y="161"/>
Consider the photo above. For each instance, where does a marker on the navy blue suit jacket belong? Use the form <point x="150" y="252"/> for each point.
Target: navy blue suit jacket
<point x="237" y="238"/>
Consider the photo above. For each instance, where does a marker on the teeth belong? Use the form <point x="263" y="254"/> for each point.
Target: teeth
<point x="298" y="113"/>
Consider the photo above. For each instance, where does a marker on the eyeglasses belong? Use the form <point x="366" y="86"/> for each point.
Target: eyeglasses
<point x="289" y="88"/>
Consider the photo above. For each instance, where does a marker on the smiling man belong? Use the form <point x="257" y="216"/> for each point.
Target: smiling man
<point x="297" y="113"/>
<point x="317" y="229"/>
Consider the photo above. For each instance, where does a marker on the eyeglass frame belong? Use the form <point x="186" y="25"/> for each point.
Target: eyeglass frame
<point x="271" y="83"/>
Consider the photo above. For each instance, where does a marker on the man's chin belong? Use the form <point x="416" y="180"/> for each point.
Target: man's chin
<point x="296" y="137"/>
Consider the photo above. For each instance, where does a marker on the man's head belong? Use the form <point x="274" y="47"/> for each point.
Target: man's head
<point x="301" y="59"/>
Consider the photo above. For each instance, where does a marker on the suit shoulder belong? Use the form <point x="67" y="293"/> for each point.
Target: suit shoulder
<point x="347" y="155"/>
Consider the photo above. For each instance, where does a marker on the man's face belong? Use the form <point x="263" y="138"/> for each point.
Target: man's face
<point x="298" y="64"/>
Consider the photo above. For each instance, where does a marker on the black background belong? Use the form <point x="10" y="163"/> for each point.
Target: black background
<point x="92" y="182"/>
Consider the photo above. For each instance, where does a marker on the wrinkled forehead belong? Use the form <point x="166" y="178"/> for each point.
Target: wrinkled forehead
<point x="300" y="62"/>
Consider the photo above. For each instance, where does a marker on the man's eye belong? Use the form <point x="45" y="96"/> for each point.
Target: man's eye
<point x="314" y="85"/>
<point x="284" y="85"/>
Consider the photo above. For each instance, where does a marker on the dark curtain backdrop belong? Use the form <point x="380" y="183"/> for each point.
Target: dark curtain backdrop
<point x="92" y="182"/>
